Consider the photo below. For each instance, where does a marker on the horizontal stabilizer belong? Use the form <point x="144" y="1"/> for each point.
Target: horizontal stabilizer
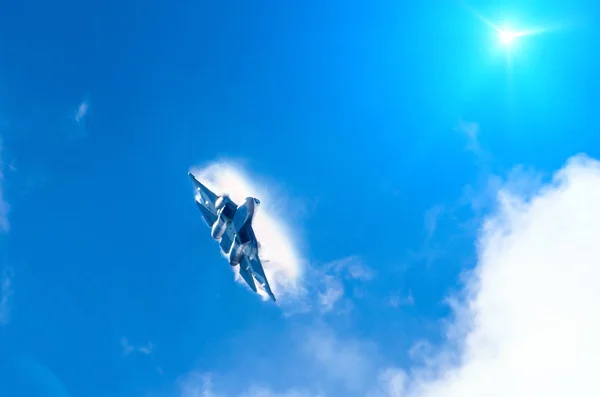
<point x="247" y="275"/>
<point x="227" y="239"/>
<point x="257" y="268"/>
<point x="261" y="277"/>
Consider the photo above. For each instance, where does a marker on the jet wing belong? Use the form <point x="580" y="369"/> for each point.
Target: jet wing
<point x="205" y="200"/>
<point x="259" y="274"/>
<point x="209" y="217"/>
<point x="207" y="197"/>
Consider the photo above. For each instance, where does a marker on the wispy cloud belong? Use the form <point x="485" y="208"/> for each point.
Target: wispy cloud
<point x="476" y="196"/>
<point x="145" y="350"/>
<point x="128" y="348"/>
<point x="82" y="110"/>
<point x="420" y="350"/>
<point x="198" y="384"/>
<point x="447" y="223"/>
<point x="6" y="276"/>
<point x="336" y="280"/>
<point x="399" y="300"/>
<point x="471" y="132"/>
<point x="4" y="206"/>
<point x="6" y="292"/>
<point x="314" y="352"/>
<point x="351" y="267"/>
<point x="332" y="293"/>
<point x="346" y="361"/>
<point x="431" y="219"/>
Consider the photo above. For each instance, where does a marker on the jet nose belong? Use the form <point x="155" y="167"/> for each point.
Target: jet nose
<point x="256" y="201"/>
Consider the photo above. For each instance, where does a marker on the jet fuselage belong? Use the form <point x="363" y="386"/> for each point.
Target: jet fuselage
<point x="240" y="218"/>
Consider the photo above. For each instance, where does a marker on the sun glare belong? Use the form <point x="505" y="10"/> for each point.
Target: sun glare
<point x="507" y="36"/>
<point x="504" y="34"/>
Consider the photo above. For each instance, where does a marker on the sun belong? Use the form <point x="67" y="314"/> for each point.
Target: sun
<point x="507" y="36"/>
<point x="505" y="33"/>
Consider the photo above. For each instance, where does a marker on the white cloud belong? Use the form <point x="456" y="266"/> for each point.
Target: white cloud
<point x="528" y="321"/>
<point x="82" y="110"/>
<point x="482" y="198"/>
<point x="6" y="292"/>
<point x="278" y="239"/>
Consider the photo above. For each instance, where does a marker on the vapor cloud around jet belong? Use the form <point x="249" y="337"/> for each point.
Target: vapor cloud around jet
<point x="281" y="260"/>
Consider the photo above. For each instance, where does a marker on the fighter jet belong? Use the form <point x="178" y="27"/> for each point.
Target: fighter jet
<point x="231" y="225"/>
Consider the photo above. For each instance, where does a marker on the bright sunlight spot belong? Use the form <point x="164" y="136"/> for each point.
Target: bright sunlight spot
<point x="507" y="36"/>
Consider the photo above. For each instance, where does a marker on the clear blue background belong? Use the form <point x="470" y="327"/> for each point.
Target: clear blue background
<point x="351" y="107"/>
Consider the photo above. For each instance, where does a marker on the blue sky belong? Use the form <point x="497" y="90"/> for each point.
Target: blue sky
<point x="429" y="198"/>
